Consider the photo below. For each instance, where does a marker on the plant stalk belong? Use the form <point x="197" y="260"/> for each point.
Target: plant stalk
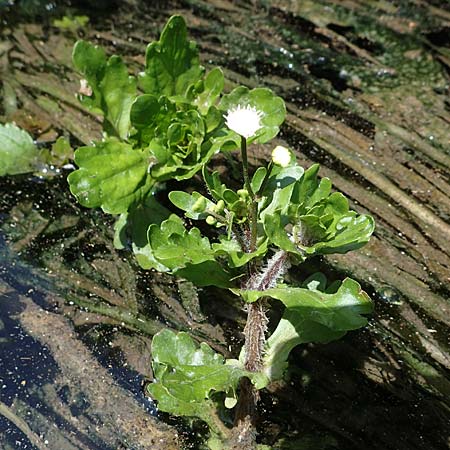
<point x="254" y="205"/>
<point x="266" y="180"/>
<point x="244" y="431"/>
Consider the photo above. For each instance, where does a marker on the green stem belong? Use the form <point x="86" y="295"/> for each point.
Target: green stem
<point x="254" y="205"/>
<point x="244" y="157"/>
<point x="266" y="179"/>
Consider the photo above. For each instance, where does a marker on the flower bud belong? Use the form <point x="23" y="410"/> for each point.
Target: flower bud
<point x="219" y="207"/>
<point x="210" y="220"/>
<point x="281" y="156"/>
<point x="199" y="205"/>
<point x="243" y="193"/>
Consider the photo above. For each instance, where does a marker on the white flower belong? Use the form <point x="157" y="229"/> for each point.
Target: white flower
<point x="281" y="156"/>
<point x="244" y="120"/>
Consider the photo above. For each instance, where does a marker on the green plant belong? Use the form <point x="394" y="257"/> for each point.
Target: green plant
<point x="19" y="154"/>
<point x="280" y="216"/>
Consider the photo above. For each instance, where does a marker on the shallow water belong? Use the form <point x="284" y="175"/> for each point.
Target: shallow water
<point x="366" y="88"/>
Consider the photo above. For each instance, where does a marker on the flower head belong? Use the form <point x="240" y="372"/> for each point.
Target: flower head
<point x="244" y="120"/>
<point x="281" y="156"/>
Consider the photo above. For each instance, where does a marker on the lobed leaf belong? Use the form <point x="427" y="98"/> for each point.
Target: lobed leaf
<point x="311" y="316"/>
<point x="186" y="253"/>
<point x="230" y="248"/>
<point x="111" y="175"/>
<point x="131" y="230"/>
<point x="113" y="89"/>
<point x="306" y="218"/>
<point x="172" y="63"/>
<point x="187" y="374"/>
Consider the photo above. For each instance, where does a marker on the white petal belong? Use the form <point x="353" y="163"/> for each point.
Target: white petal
<point x="245" y="121"/>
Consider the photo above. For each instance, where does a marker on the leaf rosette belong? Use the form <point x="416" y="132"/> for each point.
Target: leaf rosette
<point x="305" y="218"/>
<point x="173" y="128"/>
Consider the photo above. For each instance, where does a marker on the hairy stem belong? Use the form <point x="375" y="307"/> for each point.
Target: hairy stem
<point x="243" y="435"/>
<point x="244" y="431"/>
<point x="255" y="336"/>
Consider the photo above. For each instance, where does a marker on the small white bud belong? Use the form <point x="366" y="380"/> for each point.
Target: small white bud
<point x="281" y="156"/>
<point x="210" y="220"/>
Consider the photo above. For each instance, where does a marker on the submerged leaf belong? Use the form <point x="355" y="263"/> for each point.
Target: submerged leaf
<point x="18" y="153"/>
<point x="131" y="229"/>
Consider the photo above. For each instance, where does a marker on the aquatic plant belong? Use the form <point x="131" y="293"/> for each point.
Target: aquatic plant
<point x="281" y="215"/>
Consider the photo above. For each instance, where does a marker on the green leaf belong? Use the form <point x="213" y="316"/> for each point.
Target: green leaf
<point x="131" y="228"/>
<point x="152" y="113"/>
<point x="215" y="186"/>
<point x="111" y="175"/>
<point x="61" y="152"/>
<point x="306" y="186"/>
<point x="236" y="256"/>
<point x="212" y="88"/>
<point x="113" y="89"/>
<point x="187" y="374"/>
<point x="119" y="91"/>
<point x="179" y="150"/>
<point x="265" y="101"/>
<point x="172" y="63"/>
<point x="318" y="221"/>
<point x="18" y="153"/>
<point x="258" y="178"/>
<point x="90" y="61"/>
<point x="71" y="23"/>
<point x="279" y="191"/>
<point x="311" y="316"/>
<point x="186" y="253"/>
<point x="234" y="203"/>
<point x="352" y="232"/>
<point x="195" y="205"/>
